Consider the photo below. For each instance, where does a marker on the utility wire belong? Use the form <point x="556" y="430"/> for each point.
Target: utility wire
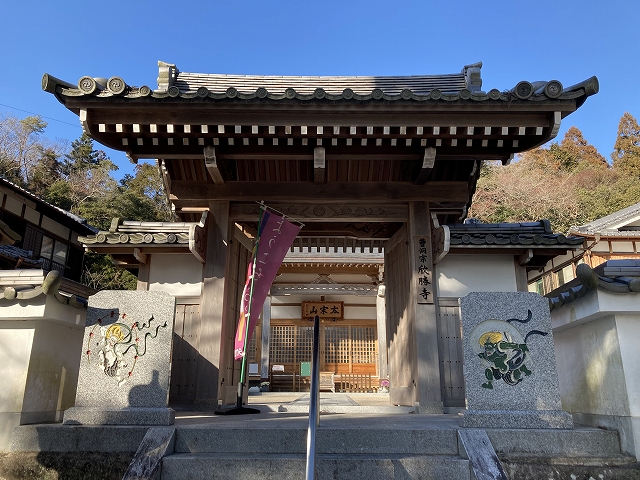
<point x="33" y="113"/>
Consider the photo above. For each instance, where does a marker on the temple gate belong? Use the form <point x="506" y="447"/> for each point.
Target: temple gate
<point x="382" y="162"/>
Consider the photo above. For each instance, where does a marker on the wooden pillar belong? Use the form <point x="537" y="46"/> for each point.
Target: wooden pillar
<point x="143" y="269"/>
<point x="266" y="335"/>
<point x="213" y="309"/>
<point x="422" y="311"/>
<point x="381" y="323"/>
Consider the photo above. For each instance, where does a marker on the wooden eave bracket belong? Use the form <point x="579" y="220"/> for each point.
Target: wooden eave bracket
<point x="428" y="161"/>
<point x="141" y="257"/>
<point x="557" y="119"/>
<point x="198" y="238"/>
<point x="211" y="163"/>
<point x="84" y="122"/>
<point x="441" y="238"/>
<point x="525" y="257"/>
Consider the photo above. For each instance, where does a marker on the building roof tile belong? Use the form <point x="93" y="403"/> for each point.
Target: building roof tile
<point x="613" y="224"/>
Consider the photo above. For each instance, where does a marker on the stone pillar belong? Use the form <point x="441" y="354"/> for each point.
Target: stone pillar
<point x="213" y="308"/>
<point x="381" y="318"/>
<point x="266" y="335"/>
<point x="422" y="311"/>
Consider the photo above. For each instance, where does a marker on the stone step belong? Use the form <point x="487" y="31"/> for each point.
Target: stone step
<point x="587" y="461"/>
<point x="328" y="441"/>
<point x="558" y="467"/>
<point x="579" y="442"/>
<point x="292" y="467"/>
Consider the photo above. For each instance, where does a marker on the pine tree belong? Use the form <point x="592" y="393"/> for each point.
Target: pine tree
<point x="626" y="153"/>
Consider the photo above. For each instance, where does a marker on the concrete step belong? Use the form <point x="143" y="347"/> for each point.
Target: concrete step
<point x="329" y="466"/>
<point x="328" y="441"/>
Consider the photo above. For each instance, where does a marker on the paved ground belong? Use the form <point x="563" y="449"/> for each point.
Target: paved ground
<point x="360" y="413"/>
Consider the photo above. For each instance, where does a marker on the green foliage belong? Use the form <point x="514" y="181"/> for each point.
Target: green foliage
<point x="84" y="157"/>
<point x="142" y="196"/>
<point x="59" y="194"/>
<point x="21" y="147"/>
<point x="101" y="274"/>
<point x="79" y="179"/>
<point x="569" y="183"/>
<point x="626" y="153"/>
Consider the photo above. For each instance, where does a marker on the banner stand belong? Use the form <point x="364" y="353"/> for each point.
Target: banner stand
<point x="269" y="252"/>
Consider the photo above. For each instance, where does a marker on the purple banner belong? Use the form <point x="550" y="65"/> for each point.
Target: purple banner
<point x="274" y="239"/>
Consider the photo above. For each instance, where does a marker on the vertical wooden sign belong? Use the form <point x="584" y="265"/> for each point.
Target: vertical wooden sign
<point x="422" y="273"/>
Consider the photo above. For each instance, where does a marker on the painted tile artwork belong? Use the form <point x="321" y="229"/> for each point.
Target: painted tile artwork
<point x="117" y="347"/>
<point x="503" y="351"/>
<point x="510" y="372"/>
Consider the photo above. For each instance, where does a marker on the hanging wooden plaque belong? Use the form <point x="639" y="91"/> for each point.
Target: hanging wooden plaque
<point x="333" y="310"/>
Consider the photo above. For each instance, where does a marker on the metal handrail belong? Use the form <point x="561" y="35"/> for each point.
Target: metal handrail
<point x="314" y="401"/>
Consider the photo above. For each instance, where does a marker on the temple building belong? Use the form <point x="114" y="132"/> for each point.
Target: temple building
<point x="381" y="172"/>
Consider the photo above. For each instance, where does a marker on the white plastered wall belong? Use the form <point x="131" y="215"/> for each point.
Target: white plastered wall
<point x="178" y="275"/>
<point x="40" y="351"/>
<point x="459" y="275"/>
<point x="596" y="340"/>
<point x="15" y="351"/>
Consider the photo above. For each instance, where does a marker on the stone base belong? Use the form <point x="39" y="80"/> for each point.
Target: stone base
<point x="628" y="428"/>
<point x="119" y="416"/>
<point x="435" y="408"/>
<point x="516" y="419"/>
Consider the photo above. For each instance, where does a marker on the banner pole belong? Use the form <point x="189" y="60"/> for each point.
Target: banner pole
<point x="246" y="331"/>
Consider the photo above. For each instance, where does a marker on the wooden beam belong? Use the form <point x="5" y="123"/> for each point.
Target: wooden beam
<point x="305" y="192"/>
<point x="310" y="213"/>
<point x="428" y="161"/>
<point x="243" y="238"/>
<point x="319" y="167"/>
<point x="212" y="164"/>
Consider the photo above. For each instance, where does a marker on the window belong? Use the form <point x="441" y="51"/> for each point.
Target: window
<point x="47" y="247"/>
<point x="60" y="252"/>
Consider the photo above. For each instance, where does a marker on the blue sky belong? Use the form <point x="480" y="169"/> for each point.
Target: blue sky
<point x="565" y="40"/>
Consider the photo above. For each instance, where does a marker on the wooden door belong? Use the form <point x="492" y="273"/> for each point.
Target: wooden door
<point x="450" y="351"/>
<point x="345" y="348"/>
<point x="400" y="332"/>
<point x="184" y="356"/>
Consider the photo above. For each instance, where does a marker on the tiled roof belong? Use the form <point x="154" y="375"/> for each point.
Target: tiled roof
<point x="538" y="234"/>
<point x="141" y="232"/>
<point x="79" y="220"/>
<point x="190" y="236"/>
<point x="11" y="251"/>
<point x="617" y="276"/>
<point x="611" y="224"/>
<point x="466" y="85"/>
<point x="277" y="85"/>
<point x="26" y="284"/>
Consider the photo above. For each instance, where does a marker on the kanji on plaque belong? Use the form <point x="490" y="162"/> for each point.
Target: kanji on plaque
<point x="333" y="310"/>
<point x="423" y="270"/>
